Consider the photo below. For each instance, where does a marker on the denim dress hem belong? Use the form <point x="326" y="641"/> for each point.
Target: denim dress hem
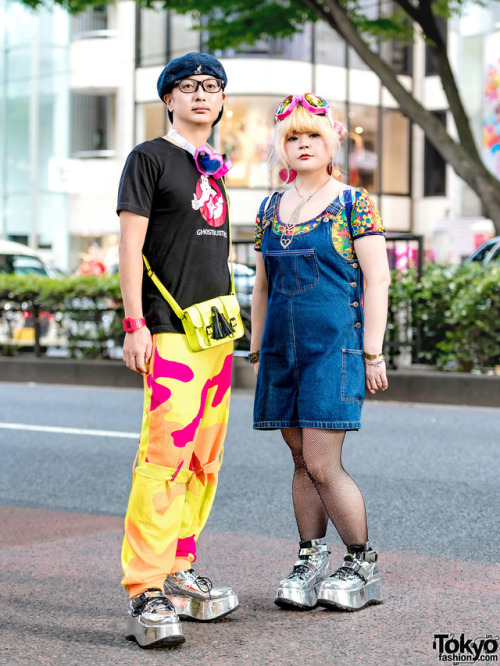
<point x="326" y="425"/>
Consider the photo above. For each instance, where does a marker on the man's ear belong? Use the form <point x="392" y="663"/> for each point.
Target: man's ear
<point x="168" y="101"/>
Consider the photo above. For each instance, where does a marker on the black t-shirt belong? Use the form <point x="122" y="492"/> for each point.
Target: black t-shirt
<point x="187" y="240"/>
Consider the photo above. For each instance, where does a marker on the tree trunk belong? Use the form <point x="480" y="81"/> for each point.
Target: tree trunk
<point x="467" y="165"/>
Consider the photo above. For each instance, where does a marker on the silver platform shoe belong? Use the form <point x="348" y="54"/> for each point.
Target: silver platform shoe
<point x="195" y="598"/>
<point x="152" y="621"/>
<point x="354" y="585"/>
<point x="300" y="589"/>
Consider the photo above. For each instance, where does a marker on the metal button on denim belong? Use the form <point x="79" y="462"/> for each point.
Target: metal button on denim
<point x="355" y="304"/>
<point x="353" y="284"/>
<point x="354" y="265"/>
<point x="357" y="324"/>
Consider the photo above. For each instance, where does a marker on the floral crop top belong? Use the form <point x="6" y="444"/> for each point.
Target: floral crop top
<point x="365" y="221"/>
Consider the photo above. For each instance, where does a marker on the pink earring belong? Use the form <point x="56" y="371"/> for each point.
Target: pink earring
<point x="287" y="175"/>
<point x="329" y="168"/>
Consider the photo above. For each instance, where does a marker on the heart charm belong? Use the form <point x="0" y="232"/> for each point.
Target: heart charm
<point x="285" y="241"/>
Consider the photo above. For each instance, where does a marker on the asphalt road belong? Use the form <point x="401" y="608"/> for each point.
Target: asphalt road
<point x="429" y="475"/>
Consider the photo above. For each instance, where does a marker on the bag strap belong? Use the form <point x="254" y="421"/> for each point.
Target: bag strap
<point x="348" y="208"/>
<point x="164" y="291"/>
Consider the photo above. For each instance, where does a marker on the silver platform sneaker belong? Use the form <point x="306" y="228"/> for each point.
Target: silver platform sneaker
<point x="354" y="585"/>
<point x="195" y="598"/>
<point x="152" y="621"/>
<point x="300" y="589"/>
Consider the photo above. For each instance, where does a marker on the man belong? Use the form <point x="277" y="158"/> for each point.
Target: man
<point x="175" y="213"/>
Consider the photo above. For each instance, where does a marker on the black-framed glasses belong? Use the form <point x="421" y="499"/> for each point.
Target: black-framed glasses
<point x="191" y="85"/>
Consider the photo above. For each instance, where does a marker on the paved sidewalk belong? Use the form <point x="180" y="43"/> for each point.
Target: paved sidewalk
<point x="62" y="604"/>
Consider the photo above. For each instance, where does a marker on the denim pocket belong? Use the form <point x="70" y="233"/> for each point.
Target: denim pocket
<point x="292" y="272"/>
<point x="352" y="387"/>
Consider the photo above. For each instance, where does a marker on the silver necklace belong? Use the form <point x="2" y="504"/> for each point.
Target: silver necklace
<point x="288" y="233"/>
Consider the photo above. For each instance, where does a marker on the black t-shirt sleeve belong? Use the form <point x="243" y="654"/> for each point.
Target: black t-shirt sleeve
<point x="137" y="184"/>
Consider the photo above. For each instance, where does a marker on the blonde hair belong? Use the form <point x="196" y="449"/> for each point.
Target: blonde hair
<point x="299" y="121"/>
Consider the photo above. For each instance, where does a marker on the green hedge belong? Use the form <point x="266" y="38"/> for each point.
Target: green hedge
<point x="453" y="311"/>
<point x="87" y="310"/>
<point x="456" y="310"/>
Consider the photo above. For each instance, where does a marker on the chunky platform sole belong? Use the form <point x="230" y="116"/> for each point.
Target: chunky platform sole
<point x="189" y="608"/>
<point x="297" y="599"/>
<point x="351" y="600"/>
<point x="167" y="635"/>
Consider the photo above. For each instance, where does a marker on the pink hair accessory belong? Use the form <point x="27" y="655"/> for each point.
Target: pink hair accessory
<point x="340" y="128"/>
<point x="287" y="175"/>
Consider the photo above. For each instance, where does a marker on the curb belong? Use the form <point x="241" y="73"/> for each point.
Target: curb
<point x="425" y="386"/>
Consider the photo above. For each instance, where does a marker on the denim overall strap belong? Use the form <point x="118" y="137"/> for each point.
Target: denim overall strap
<point x="266" y="209"/>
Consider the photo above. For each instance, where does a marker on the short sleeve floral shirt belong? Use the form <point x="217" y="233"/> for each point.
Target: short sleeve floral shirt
<point x="365" y="221"/>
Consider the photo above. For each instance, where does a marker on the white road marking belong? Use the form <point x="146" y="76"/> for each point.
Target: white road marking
<point x="69" y="431"/>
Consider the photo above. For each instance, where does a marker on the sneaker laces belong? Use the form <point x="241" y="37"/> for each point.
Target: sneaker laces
<point x="204" y="584"/>
<point x="155" y="604"/>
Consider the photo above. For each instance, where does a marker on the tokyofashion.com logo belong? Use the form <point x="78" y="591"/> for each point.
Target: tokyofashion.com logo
<point x="459" y="649"/>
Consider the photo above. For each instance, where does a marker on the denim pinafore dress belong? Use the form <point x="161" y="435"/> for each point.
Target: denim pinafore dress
<point x="311" y="370"/>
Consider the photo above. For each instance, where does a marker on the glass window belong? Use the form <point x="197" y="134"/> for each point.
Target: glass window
<point x="151" y="121"/>
<point x="245" y="132"/>
<point x="395" y="153"/>
<point x="430" y="61"/>
<point x="434" y="166"/>
<point x="183" y="37"/>
<point x="90" y="123"/>
<point x="90" y="23"/>
<point x="369" y="9"/>
<point x="296" y="47"/>
<point x="363" y="147"/>
<point x="399" y="56"/>
<point x="329" y="47"/>
<point x="152" y="37"/>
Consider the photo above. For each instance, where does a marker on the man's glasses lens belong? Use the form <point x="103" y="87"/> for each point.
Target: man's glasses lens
<point x="191" y="85"/>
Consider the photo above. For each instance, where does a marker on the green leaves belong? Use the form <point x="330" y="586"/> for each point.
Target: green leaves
<point x="457" y="311"/>
<point x="87" y="310"/>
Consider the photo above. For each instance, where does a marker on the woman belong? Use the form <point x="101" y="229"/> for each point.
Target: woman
<point x="319" y="312"/>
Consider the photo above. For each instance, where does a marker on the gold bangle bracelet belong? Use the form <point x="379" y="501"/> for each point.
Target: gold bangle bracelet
<point x="371" y="357"/>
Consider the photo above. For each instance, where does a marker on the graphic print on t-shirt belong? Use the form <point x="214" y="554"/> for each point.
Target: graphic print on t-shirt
<point x="209" y="201"/>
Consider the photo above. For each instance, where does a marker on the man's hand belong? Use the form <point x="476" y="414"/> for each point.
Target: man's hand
<point x="137" y="349"/>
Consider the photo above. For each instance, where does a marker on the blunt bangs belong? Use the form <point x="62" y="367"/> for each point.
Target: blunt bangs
<point x="298" y="122"/>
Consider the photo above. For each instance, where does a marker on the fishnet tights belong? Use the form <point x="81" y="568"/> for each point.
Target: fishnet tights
<point x="322" y="488"/>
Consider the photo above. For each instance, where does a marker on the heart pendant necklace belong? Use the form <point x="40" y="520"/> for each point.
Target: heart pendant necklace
<point x="288" y="233"/>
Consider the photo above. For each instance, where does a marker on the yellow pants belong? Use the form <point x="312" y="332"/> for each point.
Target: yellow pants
<point x="186" y="407"/>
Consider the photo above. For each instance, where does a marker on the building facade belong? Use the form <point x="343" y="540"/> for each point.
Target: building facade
<point x="77" y="98"/>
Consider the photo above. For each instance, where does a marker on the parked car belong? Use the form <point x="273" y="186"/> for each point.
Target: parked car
<point x="19" y="259"/>
<point x="487" y="252"/>
<point x="16" y="325"/>
<point x="244" y="279"/>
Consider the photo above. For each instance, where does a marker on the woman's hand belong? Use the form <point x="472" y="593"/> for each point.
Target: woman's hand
<point x="375" y="377"/>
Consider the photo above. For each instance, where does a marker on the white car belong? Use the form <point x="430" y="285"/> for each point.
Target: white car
<point x="19" y="259"/>
<point x="16" y="324"/>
